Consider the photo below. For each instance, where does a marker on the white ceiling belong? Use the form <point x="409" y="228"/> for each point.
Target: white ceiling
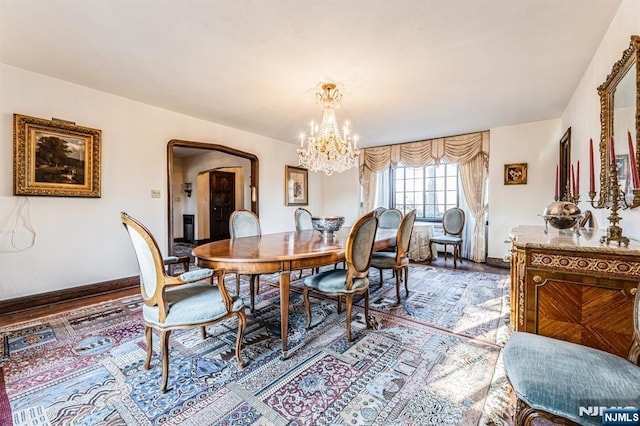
<point x="410" y="69"/>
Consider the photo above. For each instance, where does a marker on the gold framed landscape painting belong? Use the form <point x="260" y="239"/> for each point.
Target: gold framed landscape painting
<point x="296" y="186"/>
<point x="55" y="158"/>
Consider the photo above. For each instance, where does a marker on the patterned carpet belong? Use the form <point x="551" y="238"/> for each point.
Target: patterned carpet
<point x="432" y="360"/>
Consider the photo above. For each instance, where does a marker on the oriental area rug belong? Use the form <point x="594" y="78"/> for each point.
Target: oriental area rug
<point x="433" y="359"/>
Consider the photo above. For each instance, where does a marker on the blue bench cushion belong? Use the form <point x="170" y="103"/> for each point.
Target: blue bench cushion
<point x="558" y="377"/>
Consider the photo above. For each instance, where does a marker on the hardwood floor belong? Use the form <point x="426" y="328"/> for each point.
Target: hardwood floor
<point x="64" y="306"/>
<point x="465" y="265"/>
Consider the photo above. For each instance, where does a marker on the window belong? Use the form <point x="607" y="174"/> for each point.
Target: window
<point x="430" y="189"/>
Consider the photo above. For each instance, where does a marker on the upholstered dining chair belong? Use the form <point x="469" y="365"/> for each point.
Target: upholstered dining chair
<point x="171" y="261"/>
<point x="379" y="210"/>
<point x="350" y="281"/>
<point x="181" y="302"/>
<point x="390" y="218"/>
<point x="302" y="219"/>
<point x="245" y="223"/>
<point x="397" y="260"/>
<point x="553" y="378"/>
<point x="452" y="225"/>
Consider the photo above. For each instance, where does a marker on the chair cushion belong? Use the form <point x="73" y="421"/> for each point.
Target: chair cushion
<point x="558" y="377"/>
<point x="446" y="239"/>
<point x="196" y="275"/>
<point x="191" y="304"/>
<point x="333" y="281"/>
<point x="386" y="260"/>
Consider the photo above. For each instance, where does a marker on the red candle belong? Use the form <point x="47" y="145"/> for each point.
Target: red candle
<point x="573" y="181"/>
<point x="632" y="160"/>
<point x="592" y="180"/>
<point x="577" y="179"/>
<point x="613" y="151"/>
<point x="556" y="193"/>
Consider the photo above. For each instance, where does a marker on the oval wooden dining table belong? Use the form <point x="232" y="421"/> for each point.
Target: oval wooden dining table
<point x="281" y="252"/>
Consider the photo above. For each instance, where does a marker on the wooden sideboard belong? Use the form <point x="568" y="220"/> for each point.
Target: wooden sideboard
<point x="573" y="288"/>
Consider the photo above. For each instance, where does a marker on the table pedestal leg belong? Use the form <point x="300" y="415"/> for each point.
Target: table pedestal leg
<point x="285" y="278"/>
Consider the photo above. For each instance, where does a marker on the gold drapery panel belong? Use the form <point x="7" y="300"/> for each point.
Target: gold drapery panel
<point x="470" y="152"/>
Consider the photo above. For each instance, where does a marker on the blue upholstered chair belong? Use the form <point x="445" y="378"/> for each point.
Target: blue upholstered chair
<point x="302" y="218"/>
<point x="390" y="218"/>
<point x="171" y="261"/>
<point x="552" y="378"/>
<point x="352" y="280"/>
<point x="185" y="301"/>
<point x="452" y="225"/>
<point x="378" y="211"/>
<point x="397" y="260"/>
<point x="245" y="223"/>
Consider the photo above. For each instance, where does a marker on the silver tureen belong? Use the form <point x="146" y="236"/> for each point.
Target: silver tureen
<point x="562" y="215"/>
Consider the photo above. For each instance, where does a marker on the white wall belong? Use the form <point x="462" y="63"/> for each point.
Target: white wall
<point x="81" y="240"/>
<point x="341" y="195"/>
<point x="583" y="111"/>
<point x="536" y="144"/>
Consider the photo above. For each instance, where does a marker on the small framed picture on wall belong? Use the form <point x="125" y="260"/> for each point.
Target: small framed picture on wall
<point x="515" y="174"/>
<point x="296" y="186"/>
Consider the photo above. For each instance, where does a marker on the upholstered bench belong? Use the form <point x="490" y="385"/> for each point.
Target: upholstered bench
<point x="555" y="378"/>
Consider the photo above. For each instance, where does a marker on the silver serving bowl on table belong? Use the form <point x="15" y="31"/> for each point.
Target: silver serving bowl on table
<point x="327" y="225"/>
<point x="562" y="215"/>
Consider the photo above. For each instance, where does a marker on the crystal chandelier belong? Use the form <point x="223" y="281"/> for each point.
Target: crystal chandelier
<point x="327" y="149"/>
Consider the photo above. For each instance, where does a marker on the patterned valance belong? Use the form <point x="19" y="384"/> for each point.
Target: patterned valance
<point x="455" y="149"/>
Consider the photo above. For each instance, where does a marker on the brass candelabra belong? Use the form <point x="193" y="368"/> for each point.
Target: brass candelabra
<point x="568" y="196"/>
<point x="613" y="198"/>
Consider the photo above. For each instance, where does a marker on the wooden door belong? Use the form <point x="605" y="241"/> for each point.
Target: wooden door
<point x="222" y="202"/>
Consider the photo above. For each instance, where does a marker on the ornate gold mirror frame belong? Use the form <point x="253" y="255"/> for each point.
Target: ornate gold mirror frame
<point x="620" y="76"/>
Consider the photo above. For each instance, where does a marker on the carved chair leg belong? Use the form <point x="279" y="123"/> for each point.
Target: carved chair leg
<point x="203" y="332"/>
<point x="242" y="325"/>
<point x="405" y="276"/>
<point x="148" y="334"/>
<point x="455" y="256"/>
<point x="339" y="304"/>
<point x="366" y="309"/>
<point x="164" y="344"/>
<point x="237" y="284"/>
<point x="381" y="277"/>
<point x="349" y="300"/>
<point x="307" y="306"/>
<point x="398" y="278"/>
